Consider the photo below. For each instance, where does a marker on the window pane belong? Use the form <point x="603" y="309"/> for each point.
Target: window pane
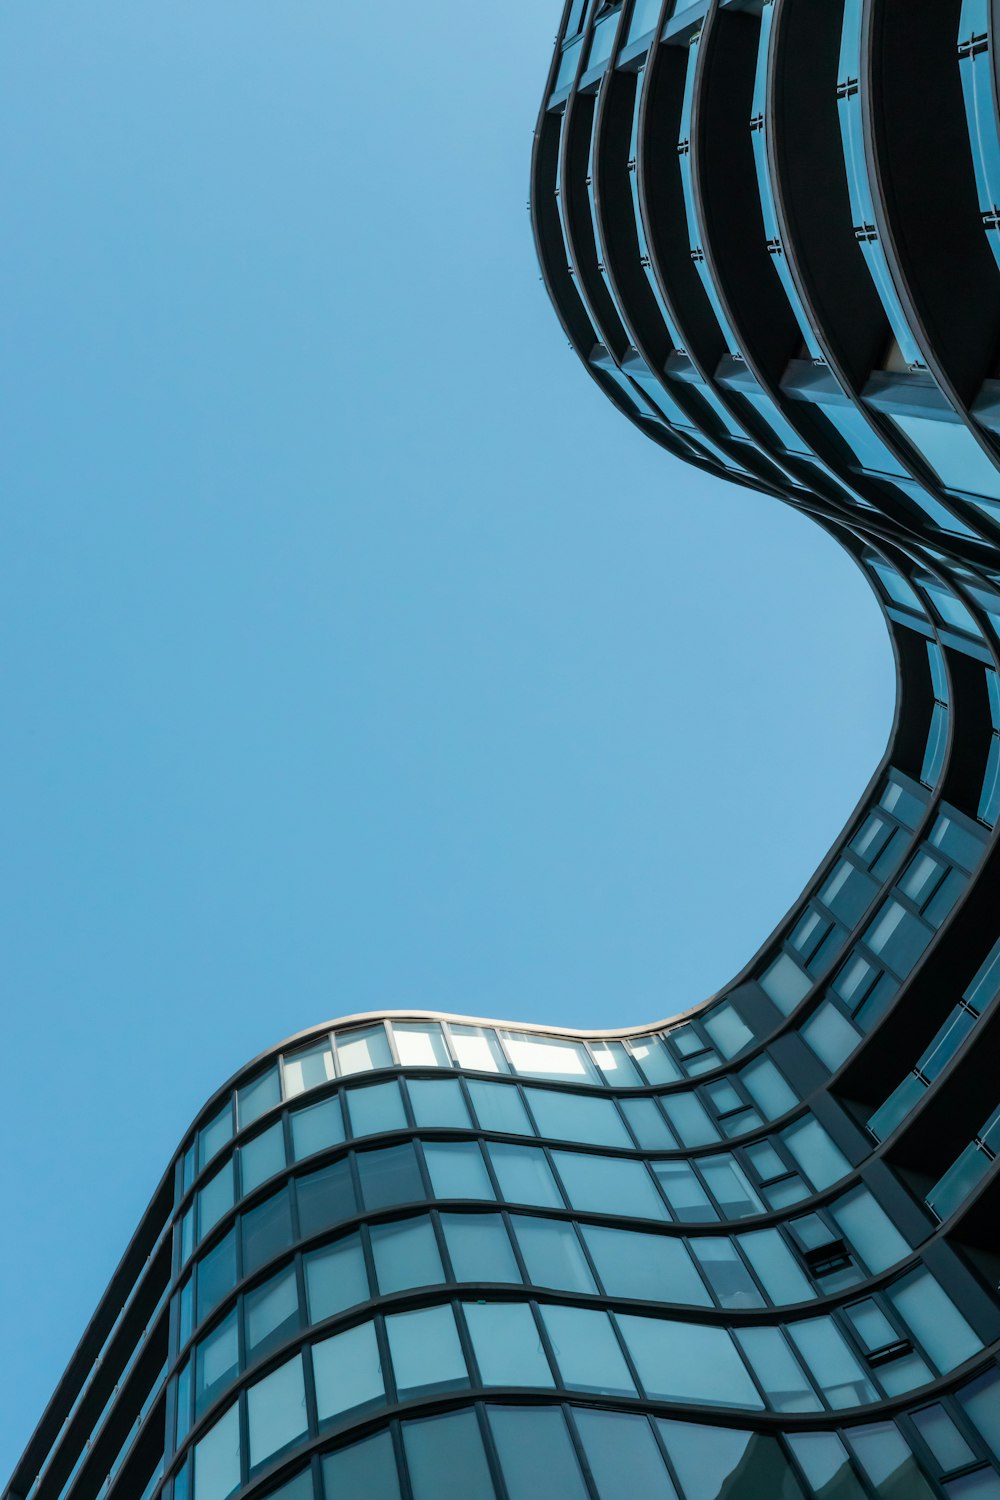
<point x="420" y="1046"/>
<point x="935" y="1321"/>
<point x="271" y="1312"/>
<point x="390" y="1177"/>
<point x="507" y="1345"/>
<point x="620" y="1072"/>
<point x="348" y="1372"/>
<point x="655" y="1061"/>
<point x="479" y="1247"/>
<point x="299" y="1488"/>
<point x="768" y="1089"/>
<point x="215" y="1198"/>
<point x="729" y="1187"/>
<point x="981" y="1401"/>
<point x="336" y="1278"/>
<point x="549" y="1057"/>
<point x="776" y="1266"/>
<point x="213" y="1136"/>
<point x="426" y="1352"/>
<point x="308" y="1069"/>
<point x="360" y="1051"/>
<point x="691" y="1123"/>
<point x="266" y="1231"/>
<point x="254" y="1098"/>
<point x="631" y="1264"/>
<point x="942" y="1437"/>
<point x="499" y="1107"/>
<point x="316" y="1128"/>
<point x="406" y="1254"/>
<point x="726" y="1274"/>
<point x="623" y="1456"/>
<point x="378" y="1107"/>
<point x="575" y="1117"/>
<point x="684" y="1192"/>
<point x="217" y="1459"/>
<point x="276" y="1411"/>
<point x="477" y="1049"/>
<point x="886" y="1459"/>
<point x="446" y="1460"/>
<point x="831" y="1362"/>
<point x="216" y="1274"/>
<point x="687" y="1363"/>
<point x="867" y="1227"/>
<point x="609" y="1185"/>
<point x="521" y="1435"/>
<point x="365" y="1471"/>
<point x="457" y="1170"/>
<point x="587" y="1352"/>
<point x="325" y="1198"/>
<point x="262" y="1157"/>
<point x="438" y="1102"/>
<point x="823" y="1459"/>
<point x="217" y="1363"/>
<point x="778" y="1371"/>
<point x="648" y="1125"/>
<point x="553" y="1255"/>
<point x="821" y="1161"/>
<point x="524" y="1176"/>
<point x="715" y="1463"/>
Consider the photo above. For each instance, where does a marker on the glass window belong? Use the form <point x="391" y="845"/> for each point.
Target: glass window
<point x="822" y="1162"/>
<point x="824" y="1461"/>
<point x="981" y="1403"/>
<point x="689" y="1363"/>
<point x="867" y="1226"/>
<point x="655" y="1061"/>
<point x="420" y="1045"/>
<point x="785" y="983"/>
<point x="266" y="1231"/>
<point x="336" y="1278"/>
<point x="690" y="1120"/>
<point x="452" y="1445"/>
<point x="728" y="1031"/>
<point x="325" y="1198"/>
<point x="952" y="452"/>
<point x="183" y="1403"/>
<point x="299" y="1488"/>
<point x="438" y="1101"/>
<point x="317" y="1128"/>
<point x="727" y="1275"/>
<point x="348" y="1372"/>
<point x="521" y="1435"/>
<point x="888" y="1462"/>
<point x="833" y="1366"/>
<point x="525" y="1176"/>
<point x="507" y="1344"/>
<point x="648" y="1125"/>
<point x="479" y="1247"/>
<point x="982" y="1485"/>
<point x="934" y="1320"/>
<point x="217" y="1459"/>
<point x="364" y="1471"/>
<point x="778" y="1371"/>
<point x="375" y="1108"/>
<point x="457" y="1170"/>
<point x="650" y="1266"/>
<point x="499" y="1107"/>
<point x="942" y="1437"/>
<point x="276" y="1411"/>
<point x="776" y="1267"/>
<point x="552" y="1254"/>
<point x="426" y="1352"/>
<point x="575" y="1117"/>
<point x="587" y="1352"/>
<point x="684" y="1192"/>
<point x="271" y="1312"/>
<point x="215" y="1198"/>
<point x="624" y="1460"/>
<point x="729" y="1187"/>
<point x="830" y="1035"/>
<point x="360" y="1051"/>
<point x="729" y="1465"/>
<point x="406" y="1254"/>
<point x="620" y="1072"/>
<point x="254" y="1098"/>
<point x="213" y="1136"/>
<point x="549" y="1057"/>
<point x="609" y="1185"/>
<point x="390" y="1177"/>
<point x="217" y="1363"/>
<point x="185" y="1311"/>
<point x="477" y="1049"/>
<point x="262" y="1157"/>
<point x="308" y="1069"/>
<point x="216" y="1274"/>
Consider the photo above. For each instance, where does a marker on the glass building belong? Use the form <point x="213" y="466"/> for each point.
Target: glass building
<point x="752" y="1251"/>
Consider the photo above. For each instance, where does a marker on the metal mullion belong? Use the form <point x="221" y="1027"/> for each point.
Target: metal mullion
<point x="546" y="1342"/>
<point x="309" y="1380"/>
<point x="391" y="1040"/>
<point x="465" y="1342"/>
<point x="511" y="1231"/>
<point x="576" y="1443"/>
<point x="385" y="1359"/>
<point x="394" y="1431"/>
<point x="363" y="1232"/>
<point x="491" y="1451"/>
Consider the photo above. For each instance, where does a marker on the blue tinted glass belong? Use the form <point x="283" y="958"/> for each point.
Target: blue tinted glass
<point x="457" y="1170"/>
<point x="254" y="1098"/>
<point x="438" y="1102"/>
<point x="577" y="1117"/>
<point x="262" y="1157"/>
<point x="271" y="1312"/>
<point x="365" y="1471"/>
<point x="325" y="1198"/>
<point x="499" y="1107"/>
<point x="376" y="1108"/>
<point x="507" y="1345"/>
<point x="778" y="1372"/>
<point x="587" y="1352"/>
<point x="650" y="1266"/>
<point x="524" y="1176"/>
<point x="479" y="1247"/>
<point x="768" y="1089"/>
<point x="217" y="1361"/>
<point x="317" y="1128"/>
<point x="726" y="1273"/>
<point x="981" y="1402"/>
<point x="684" y="1192"/>
<point x="648" y="1125"/>
<point x="390" y="1177"/>
<point x="426" y="1352"/>
<point x="887" y="1461"/>
<point x="521" y="1435"/>
<point x="266" y="1231"/>
<point x="552" y="1254"/>
<point x="624" y="1459"/>
<point x="609" y="1185"/>
<point x="336" y="1278"/>
<point x="347" y="1371"/>
<point x="406" y="1254"/>
<point x="446" y="1460"/>
<point x="688" y="1363"/>
<point x="689" y="1119"/>
<point x="216" y="1274"/>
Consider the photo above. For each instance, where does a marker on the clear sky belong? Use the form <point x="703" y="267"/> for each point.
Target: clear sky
<point x="356" y="653"/>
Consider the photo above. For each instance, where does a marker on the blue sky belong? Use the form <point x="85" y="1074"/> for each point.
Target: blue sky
<point x="357" y="654"/>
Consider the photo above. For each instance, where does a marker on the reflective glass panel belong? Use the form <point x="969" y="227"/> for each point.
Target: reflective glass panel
<point x="216" y="1274"/>
<point x="262" y="1157"/>
<point x="778" y="1372"/>
<point x="308" y="1069"/>
<point x="266" y="1231"/>
<point x="406" y="1254"/>
<point x="457" y="1170"/>
<point x="271" y="1312"/>
<point x="684" y="1192"/>
<point x="217" y="1363"/>
<point x="217" y="1459"/>
<point x="365" y="1471"/>
<point x="834" y="1367"/>
<point x="648" y="1125"/>
<point x="935" y="1321"/>
<point x="426" y="1352"/>
<point x="446" y="1460"/>
<point x="377" y="1107"/>
<point x="479" y="1247"/>
<point x="438" y="1101"/>
<point x="552" y="1254"/>
<point x="364" y="1049"/>
<point x="576" y="1117"/>
<point x="688" y="1363"/>
<point x="348" y="1372"/>
<point x="325" y="1198"/>
<point x="420" y="1046"/>
<point x="499" y="1107"/>
<point x="587" y="1352"/>
<point x="521" y="1435"/>
<point x="609" y="1185"/>
<point x="316" y="1128"/>
<point x="477" y="1049"/>
<point x="390" y="1177"/>
<point x="524" y="1175"/>
<point x="507" y="1345"/>
<point x="335" y="1278"/>
<point x="276" y="1411"/>
<point x="651" y="1266"/>
<point x="549" y="1057"/>
<point x="728" y="1276"/>
<point x="260" y="1094"/>
<point x="623" y="1456"/>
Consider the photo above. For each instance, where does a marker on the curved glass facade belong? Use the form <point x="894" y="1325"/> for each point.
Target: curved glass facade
<point x="752" y="1250"/>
